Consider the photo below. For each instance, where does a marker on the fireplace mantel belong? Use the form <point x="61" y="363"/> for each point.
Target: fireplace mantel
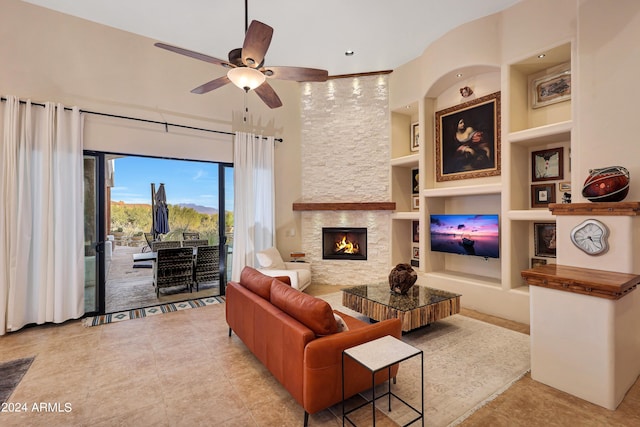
<point x="341" y="206"/>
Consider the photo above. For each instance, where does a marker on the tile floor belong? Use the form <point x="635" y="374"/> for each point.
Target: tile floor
<point x="181" y="368"/>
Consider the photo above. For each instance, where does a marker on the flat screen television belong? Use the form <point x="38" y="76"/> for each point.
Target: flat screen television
<point x="465" y="234"/>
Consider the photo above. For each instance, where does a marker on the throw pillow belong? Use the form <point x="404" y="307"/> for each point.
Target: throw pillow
<point x="270" y="258"/>
<point x="342" y="326"/>
<point x="314" y="313"/>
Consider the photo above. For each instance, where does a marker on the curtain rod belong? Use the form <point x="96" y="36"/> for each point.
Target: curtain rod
<point x="166" y="124"/>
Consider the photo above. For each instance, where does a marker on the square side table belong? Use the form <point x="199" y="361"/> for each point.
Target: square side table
<point x="376" y="355"/>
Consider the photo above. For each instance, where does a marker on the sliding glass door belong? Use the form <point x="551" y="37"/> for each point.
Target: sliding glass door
<point x="94" y="233"/>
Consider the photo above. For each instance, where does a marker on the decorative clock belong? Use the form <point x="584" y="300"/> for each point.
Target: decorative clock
<point x="591" y="237"/>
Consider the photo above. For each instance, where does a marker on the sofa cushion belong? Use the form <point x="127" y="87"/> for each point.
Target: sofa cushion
<point x="342" y="325"/>
<point x="314" y="313"/>
<point x="256" y="282"/>
<point x="270" y="258"/>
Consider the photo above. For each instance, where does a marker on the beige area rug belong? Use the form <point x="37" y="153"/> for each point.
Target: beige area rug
<point x="467" y="363"/>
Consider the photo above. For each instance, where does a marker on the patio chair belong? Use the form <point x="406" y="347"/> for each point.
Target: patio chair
<point x="207" y="265"/>
<point x="193" y="243"/>
<point x="174" y="267"/>
<point x="149" y="239"/>
<point x="164" y="245"/>
<point x="188" y="235"/>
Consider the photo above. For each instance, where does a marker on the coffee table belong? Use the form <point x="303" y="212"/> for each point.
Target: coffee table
<point x="419" y="307"/>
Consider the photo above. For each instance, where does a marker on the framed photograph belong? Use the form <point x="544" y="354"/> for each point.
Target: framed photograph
<point x="415" y="231"/>
<point x="415" y="201"/>
<point x="415" y="137"/>
<point x="542" y="195"/>
<point x="415" y="252"/>
<point x="415" y="184"/>
<point x="544" y="236"/>
<point x="538" y="261"/>
<point x="547" y="165"/>
<point x="468" y="139"/>
<point x="564" y="186"/>
<point x="550" y="86"/>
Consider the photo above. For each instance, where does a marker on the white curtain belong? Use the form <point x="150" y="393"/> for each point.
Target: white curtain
<point x="41" y="220"/>
<point x="254" y="204"/>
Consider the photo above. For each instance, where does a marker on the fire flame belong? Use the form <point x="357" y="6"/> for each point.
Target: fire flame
<point x="346" y="247"/>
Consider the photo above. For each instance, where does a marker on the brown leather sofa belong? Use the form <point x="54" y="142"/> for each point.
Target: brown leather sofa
<point x="296" y="337"/>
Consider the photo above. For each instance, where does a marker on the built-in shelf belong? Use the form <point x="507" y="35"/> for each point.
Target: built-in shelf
<point x="548" y="134"/>
<point x="455" y="276"/>
<point x="585" y="281"/>
<point x="343" y="206"/>
<point x="406" y="161"/>
<point x="530" y="215"/>
<point x="467" y="190"/>
<point x="596" y="208"/>
<point x="415" y="215"/>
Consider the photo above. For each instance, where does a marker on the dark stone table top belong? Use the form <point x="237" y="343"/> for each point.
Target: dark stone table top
<point x="418" y="296"/>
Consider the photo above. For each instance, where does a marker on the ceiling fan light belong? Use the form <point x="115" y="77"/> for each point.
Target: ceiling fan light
<point x="246" y="78"/>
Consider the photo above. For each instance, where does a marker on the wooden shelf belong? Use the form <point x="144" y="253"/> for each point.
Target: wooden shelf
<point x="597" y="208"/>
<point x="586" y="281"/>
<point x="341" y="206"/>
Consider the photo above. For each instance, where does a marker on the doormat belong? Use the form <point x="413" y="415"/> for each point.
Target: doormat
<point x="151" y="311"/>
<point x="11" y="374"/>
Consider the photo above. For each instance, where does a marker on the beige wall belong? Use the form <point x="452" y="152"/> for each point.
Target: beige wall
<point x="49" y="56"/>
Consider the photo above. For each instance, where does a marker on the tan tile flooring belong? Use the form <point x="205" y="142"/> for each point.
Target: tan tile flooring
<point x="181" y="368"/>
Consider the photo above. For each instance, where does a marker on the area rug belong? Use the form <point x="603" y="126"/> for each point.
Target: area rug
<point x="467" y="363"/>
<point x="11" y="374"/>
<point x="151" y="311"/>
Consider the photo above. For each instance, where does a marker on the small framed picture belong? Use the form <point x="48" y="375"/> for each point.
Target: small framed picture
<point x="538" y="261"/>
<point x="564" y="187"/>
<point x="415" y="231"/>
<point x="415" y="252"/>
<point x="544" y="236"/>
<point x="415" y="184"/>
<point x="542" y="195"/>
<point x="415" y="137"/>
<point x="415" y="201"/>
<point x="550" y="86"/>
<point x="547" y="165"/>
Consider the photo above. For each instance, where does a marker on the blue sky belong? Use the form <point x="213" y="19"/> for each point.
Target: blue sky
<point x="184" y="181"/>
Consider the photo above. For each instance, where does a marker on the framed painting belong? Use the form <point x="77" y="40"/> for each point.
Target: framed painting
<point x="415" y="137"/>
<point x="415" y="201"/>
<point x="550" y="86"/>
<point x="415" y="231"/>
<point x="468" y="139"/>
<point x="542" y="195"/>
<point x="544" y="236"/>
<point x="415" y="181"/>
<point x="547" y="165"/>
<point x="535" y="262"/>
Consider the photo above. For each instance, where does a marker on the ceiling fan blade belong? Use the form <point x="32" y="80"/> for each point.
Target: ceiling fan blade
<point x="192" y="54"/>
<point x="298" y="74"/>
<point x="213" y="84"/>
<point x="268" y="95"/>
<point x="256" y="43"/>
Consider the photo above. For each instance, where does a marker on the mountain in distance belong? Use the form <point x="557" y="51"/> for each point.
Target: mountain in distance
<point x="198" y="208"/>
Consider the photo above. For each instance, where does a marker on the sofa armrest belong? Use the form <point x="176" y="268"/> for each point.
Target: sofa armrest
<point x="292" y="274"/>
<point x="297" y="265"/>
<point x="323" y="365"/>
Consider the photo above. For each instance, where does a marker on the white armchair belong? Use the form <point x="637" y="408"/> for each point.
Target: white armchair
<point x="272" y="264"/>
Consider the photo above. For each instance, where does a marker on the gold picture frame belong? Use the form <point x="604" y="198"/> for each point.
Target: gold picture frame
<point x="550" y="86"/>
<point x="468" y="139"/>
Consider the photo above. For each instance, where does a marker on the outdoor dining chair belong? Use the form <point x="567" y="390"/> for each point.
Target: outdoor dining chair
<point x="188" y="235"/>
<point x="164" y="245"/>
<point x="173" y="267"/>
<point x="207" y="265"/>
<point x="193" y="243"/>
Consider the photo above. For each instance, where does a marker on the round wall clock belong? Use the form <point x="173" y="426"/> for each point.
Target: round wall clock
<point x="591" y="237"/>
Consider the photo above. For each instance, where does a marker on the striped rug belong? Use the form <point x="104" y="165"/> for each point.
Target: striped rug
<point x="151" y="311"/>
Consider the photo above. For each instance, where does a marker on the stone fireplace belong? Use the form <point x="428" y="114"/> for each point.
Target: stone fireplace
<point x="347" y="243"/>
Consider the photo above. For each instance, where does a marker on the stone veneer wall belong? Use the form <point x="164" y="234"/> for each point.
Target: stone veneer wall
<point x="345" y="154"/>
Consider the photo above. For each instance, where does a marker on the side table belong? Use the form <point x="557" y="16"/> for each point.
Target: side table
<point x="376" y="355"/>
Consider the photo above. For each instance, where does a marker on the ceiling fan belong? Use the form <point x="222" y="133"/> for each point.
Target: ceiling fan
<point x="246" y="66"/>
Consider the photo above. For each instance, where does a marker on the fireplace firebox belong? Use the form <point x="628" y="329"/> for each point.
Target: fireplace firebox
<point x="347" y="243"/>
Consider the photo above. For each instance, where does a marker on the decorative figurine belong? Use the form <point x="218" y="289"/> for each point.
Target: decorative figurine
<point x="402" y="278"/>
<point x="466" y="91"/>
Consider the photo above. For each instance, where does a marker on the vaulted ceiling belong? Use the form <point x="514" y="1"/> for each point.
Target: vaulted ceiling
<point x="382" y="34"/>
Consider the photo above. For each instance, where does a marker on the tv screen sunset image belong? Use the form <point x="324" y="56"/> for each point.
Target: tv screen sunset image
<point x="477" y="235"/>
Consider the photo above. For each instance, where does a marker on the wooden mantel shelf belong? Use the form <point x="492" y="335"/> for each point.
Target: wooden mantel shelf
<point x="338" y="206"/>
<point x="586" y="281"/>
<point x="597" y="208"/>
